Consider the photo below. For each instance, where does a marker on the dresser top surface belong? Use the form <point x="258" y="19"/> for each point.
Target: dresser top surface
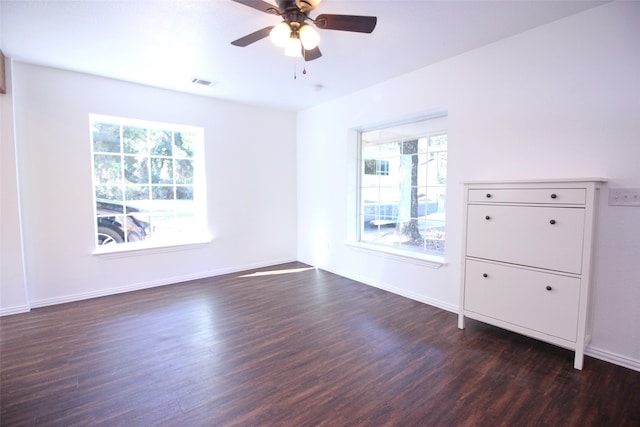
<point x="537" y="181"/>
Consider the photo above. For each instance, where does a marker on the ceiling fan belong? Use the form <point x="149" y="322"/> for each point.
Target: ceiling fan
<point x="294" y="33"/>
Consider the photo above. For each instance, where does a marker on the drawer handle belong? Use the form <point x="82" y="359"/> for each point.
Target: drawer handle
<point x="554" y="195"/>
<point x="549" y="288"/>
<point x="553" y="221"/>
<point x="485" y="275"/>
<point x="487" y="217"/>
<point x="488" y="195"/>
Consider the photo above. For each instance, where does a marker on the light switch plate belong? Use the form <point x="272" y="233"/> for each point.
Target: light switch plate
<point x="624" y="197"/>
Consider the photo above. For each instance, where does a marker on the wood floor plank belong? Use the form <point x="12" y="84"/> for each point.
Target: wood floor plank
<point x="291" y="346"/>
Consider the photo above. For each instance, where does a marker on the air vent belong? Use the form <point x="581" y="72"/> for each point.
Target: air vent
<point x="202" y="82"/>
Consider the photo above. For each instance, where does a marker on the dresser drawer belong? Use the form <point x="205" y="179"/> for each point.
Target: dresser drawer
<point x="543" y="302"/>
<point x="544" y="237"/>
<point x="569" y="196"/>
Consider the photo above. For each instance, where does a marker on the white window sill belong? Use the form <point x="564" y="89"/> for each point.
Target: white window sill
<point x="146" y="248"/>
<point x="431" y="261"/>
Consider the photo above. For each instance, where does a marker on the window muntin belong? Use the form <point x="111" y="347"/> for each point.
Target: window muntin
<point x="404" y="207"/>
<point x="148" y="181"/>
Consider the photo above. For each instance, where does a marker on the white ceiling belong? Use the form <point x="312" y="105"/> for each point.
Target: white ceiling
<point x="166" y="43"/>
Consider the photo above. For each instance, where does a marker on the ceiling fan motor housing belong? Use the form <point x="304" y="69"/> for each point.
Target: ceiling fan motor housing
<point x="291" y="13"/>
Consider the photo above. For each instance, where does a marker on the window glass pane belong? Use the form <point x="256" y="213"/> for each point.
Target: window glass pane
<point x="370" y="151"/>
<point x="184" y="171"/>
<point x="134" y="140"/>
<point x="108" y="192"/>
<point x="423" y="145"/>
<point x="370" y="166"/>
<point x="391" y="149"/>
<point x="382" y="167"/>
<point x="137" y="192"/>
<point x="160" y="143"/>
<point x="441" y="167"/>
<point x="110" y="227"/>
<point x="172" y="222"/>
<point x="106" y="138"/>
<point x="438" y="142"/>
<point x="184" y="144"/>
<point x="107" y="168"/>
<point x="161" y="171"/>
<point x="184" y="193"/>
<point x="162" y="193"/>
<point x="136" y="169"/>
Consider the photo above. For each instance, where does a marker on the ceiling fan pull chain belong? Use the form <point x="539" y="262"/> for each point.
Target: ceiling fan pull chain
<point x="304" y="60"/>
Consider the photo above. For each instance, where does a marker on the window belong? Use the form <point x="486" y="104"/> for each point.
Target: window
<point x="402" y="186"/>
<point x="148" y="181"/>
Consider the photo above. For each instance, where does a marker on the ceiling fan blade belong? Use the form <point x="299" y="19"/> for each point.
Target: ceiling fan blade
<point x="358" y="24"/>
<point x="260" y="5"/>
<point x="311" y="54"/>
<point x="253" y="37"/>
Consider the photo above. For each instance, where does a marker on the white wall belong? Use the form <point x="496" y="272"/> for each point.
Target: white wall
<point x="13" y="297"/>
<point x="251" y="188"/>
<point x="562" y="100"/>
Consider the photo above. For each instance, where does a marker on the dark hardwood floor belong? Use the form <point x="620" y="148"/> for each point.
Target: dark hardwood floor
<point x="300" y="347"/>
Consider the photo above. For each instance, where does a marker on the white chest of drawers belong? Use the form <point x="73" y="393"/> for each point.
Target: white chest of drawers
<point x="527" y="255"/>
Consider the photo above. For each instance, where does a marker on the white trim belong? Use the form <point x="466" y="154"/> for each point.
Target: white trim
<point x="616" y="359"/>
<point x="14" y="310"/>
<point x="146" y="247"/>
<point x="425" y="260"/>
<point x="155" y="283"/>
<point x="403" y="120"/>
<point x="18" y="188"/>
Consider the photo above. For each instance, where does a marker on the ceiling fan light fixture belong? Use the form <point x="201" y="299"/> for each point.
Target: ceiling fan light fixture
<point x="293" y="48"/>
<point x="307" y="5"/>
<point x="309" y="37"/>
<point x="280" y="34"/>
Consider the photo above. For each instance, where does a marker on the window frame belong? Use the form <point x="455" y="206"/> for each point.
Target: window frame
<point x="430" y="259"/>
<point x="200" y="233"/>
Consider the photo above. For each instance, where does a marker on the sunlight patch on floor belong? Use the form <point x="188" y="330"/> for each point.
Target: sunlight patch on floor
<point x="274" y="272"/>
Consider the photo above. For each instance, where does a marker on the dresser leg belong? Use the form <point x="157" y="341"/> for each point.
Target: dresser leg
<point x="460" y="321"/>
<point x="579" y="359"/>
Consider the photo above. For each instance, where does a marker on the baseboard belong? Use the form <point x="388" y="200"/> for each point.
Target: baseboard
<point x="14" y="310"/>
<point x="155" y="283"/>
<point x="614" y="358"/>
